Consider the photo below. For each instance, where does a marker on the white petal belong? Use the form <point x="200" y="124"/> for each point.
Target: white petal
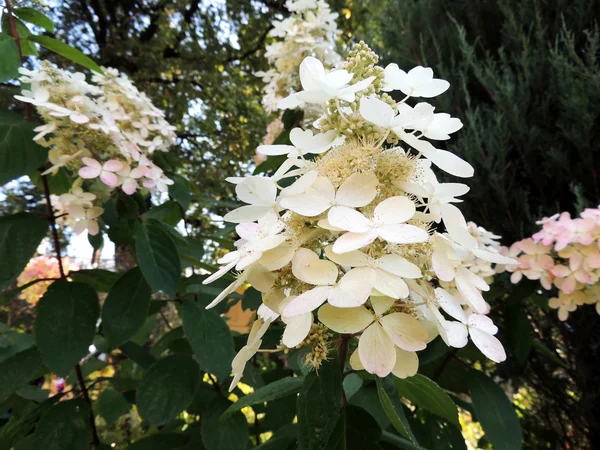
<point x="258" y="191"/>
<point x="402" y="234"/>
<point x="347" y="219"/>
<point x="390" y="285"/>
<point x="277" y="257"/>
<point x="399" y="266"/>
<point x="248" y="213"/>
<point x="407" y="363"/>
<point x="353" y="241"/>
<point x="301" y="185"/>
<point x="381" y="304"/>
<point x="307" y="267"/>
<point x="469" y="292"/>
<point x="358" y="190"/>
<point x="483" y="323"/>
<point x="442" y="266"/>
<point x="345" y="320"/>
<point x="296" y="329"/>
<point x="355" y="361"/>
<point x="451" y="163"/>
<point x="489" y="345"/>
<point x="271" y="150"/>
<point x="454" y="334"/>
<point x="395" y="210"/>
<point x="219" y="273"/>
<point x="311" y="69"/>
<point x="261" y="278"/>
<point x="228" y="290"/>
<point x="492" y="257"/>
<point x="353" y="289"/>
<point x="432" y="89"/>
<point x="376" y="351"/>
<point x="394" y="78"/>
<point x="307" y="302"/>
<point x="450" y="304"/>
<point x="376" y="111"/>
<point x="406" y="331"/>
<point x="350" y="259"/>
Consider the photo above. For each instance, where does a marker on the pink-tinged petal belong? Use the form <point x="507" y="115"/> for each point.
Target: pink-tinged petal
<point x="80" y="226"/>
<point x="89" y="172"/>
<point x="568" y="285"/>
<point x="442" y="266"/>
<point x="489" y="345"/>
<point x="376" y="351"/>
<point x="583" y="276"/>
<point x="516" y="277"/>
<point x="92" y="227"/>
<point x="560" y="271"/>
<point x="109" y="179"/>
<point x="91" y="162"/>
<point x="112" y="165"/>
<point x="138" y="172"/>
<point x="129" y="186"/>
<point x="405" y="331"/>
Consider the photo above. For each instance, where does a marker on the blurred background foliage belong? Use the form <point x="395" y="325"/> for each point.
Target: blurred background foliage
<point x="526" y="84"/>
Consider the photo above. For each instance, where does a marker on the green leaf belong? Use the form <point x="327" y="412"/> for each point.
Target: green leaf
<point x="138" y="354"/>
<point x="101" y="280"/>
<point x="126" y="307"/>
<point x="209" y="337"/>
<point x="27" y="48"/>
<point x="65" y="324"/>
<point x="167" y="388"/>
<point x="35" y="17"/>
<point x="549" y="354"/>
<point x="158" y="257"/>
<point x="180" y="191"/>
<point x="390" y="411"/>
<point x="495" y="412"/>
<point x="398" y="441"/>
<point x="518" y="333"/>
<point x="20" y="236"/>
<point x="111" y="405"/>
<point x="65" y="426"/>
<point x="278" y="389"/>
<point x="65" y="50"/>
<point x="169" y="212"/>
<point x="160" y="441"/>
<point x="19" y="153"/>
<point x="9" y="58"/>
<point x="318" y="406"/>
<point x="361" y="430"/>
<point x="18" y="370"/>
<point x="230" y="434"/>
<point x="425" y="393"/>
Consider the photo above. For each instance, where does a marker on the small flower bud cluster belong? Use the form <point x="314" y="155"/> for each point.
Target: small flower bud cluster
<point x="565" y="254"/>
<point x="310" y="30"/>
<point x="104" y="131"/>
<point x="342" y="237"/>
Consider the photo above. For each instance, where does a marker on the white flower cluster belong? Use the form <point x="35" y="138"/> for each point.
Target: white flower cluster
<point x="342" y="237"/>
<point x="105" y="131"/>
<point x="310" y="30"/>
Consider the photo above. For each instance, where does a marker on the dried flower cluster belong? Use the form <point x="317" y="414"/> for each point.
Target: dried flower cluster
<point x="341" y="239"/>
<point x="565" y="253"/>
<point x="310" y="30"/>
<point x="104" y="131"/>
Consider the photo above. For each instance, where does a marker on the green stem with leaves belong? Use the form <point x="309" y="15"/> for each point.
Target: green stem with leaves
<point x="54" y="231"/>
